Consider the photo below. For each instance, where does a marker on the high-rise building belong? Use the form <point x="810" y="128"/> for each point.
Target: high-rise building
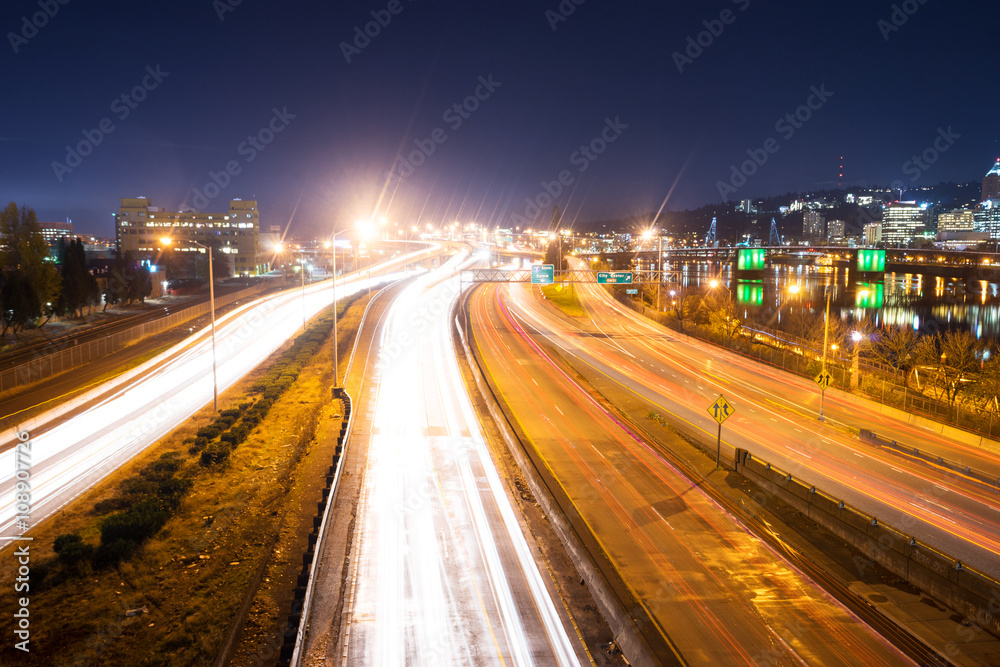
<point x="139" y="227"/>
<point x="991" y="183"/>
<point x="873" y="233"/>
<point x="835" y="229"/>
<point x="957" y="220"/>
<point x="987" y="218"/>
<point x="902" y="221"/>
<point x="813" y="225"/>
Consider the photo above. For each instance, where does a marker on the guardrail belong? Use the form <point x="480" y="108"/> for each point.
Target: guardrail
<point x="965" y="590"/>
<point x="71" y="355"/>
<point x="944" y="465"/>
<point x="298" y="620"/>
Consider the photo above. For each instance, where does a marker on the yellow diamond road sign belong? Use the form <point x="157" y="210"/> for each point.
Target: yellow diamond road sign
<point x="824" y="379"/>
<point x="721" y="410"/>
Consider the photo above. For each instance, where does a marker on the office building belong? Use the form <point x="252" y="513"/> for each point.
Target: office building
<point x="813" y="225"/>
<point x="991" y="183"/>
<point x="987" y="218"/>
<point x="957" y="220"/>
<point x="902" y="221"/>
<point x="873" y="233"/>
<point x="140" y="226"/>
<point x="835" y="229"/>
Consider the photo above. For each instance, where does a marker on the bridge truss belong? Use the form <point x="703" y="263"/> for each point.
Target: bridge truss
<point x="572" y="276"/>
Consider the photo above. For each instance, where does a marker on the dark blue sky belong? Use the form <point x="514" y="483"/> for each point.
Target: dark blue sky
<point x="557" y="89"/>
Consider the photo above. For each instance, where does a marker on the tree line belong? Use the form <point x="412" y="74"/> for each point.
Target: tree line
<point x="37" y="284"/>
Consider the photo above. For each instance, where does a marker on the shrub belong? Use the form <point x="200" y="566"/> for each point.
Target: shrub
<point x="199" y="443"/>
<point x="229" y="438"/>
<point x="232" y="412"/>
<point x="217" y="452"/>
<point x="111" y="505"/>
<point x="210" y="432"/>
<point x="259" y="386"/>
<point x="223" y="423"/>
<point x="136" y="523"/>
<point x="112" y="553"/>
<point x="71" y="549"/>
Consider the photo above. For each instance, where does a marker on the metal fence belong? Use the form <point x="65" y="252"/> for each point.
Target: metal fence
<point x="72" y="355"/>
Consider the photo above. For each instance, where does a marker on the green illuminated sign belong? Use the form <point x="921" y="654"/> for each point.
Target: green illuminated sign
<point x="870" y="295"/>
<point x="871" y="261"/>
<point x="750" y="259"/>
<point x="750" y="293"/>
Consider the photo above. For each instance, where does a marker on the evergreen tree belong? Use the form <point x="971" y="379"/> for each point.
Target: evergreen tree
<point x="26" y="253"/>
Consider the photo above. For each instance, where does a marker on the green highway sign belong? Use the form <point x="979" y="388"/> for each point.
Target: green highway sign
<point x="614" y="277"/>
<point x="542" y="274"/>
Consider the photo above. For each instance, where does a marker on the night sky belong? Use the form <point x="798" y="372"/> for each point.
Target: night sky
<point x="216" y="73"/>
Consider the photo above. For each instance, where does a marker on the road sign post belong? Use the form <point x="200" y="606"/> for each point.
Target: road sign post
<point x="721" y="410"/>
<point x="824" y="380"/>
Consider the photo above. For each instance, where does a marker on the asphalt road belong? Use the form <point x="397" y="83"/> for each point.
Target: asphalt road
<point x="441" y="571"/>
<point x="720" y="594"/>
<point x="775" y="419"/>
<point x="75" y="444"/>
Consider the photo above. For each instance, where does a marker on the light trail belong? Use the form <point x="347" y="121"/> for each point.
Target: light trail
<point x="70" y="454"/>
<point x="693" y="374"/>
<point x="722" y="595"/>
<point x="445" y="574"/>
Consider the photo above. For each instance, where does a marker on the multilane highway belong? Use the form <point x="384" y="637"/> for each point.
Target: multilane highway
<point x="74" y="445"/>
<point x="776" y="420"/>
<point x="441" y="572"/>
<point x="716" y="593"/>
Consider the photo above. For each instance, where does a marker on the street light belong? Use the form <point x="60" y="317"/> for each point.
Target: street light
<point x="826" y="339"/>
<point x="166" y="240"/>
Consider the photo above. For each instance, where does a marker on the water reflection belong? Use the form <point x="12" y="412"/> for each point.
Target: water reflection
<point x="911" y="300"/>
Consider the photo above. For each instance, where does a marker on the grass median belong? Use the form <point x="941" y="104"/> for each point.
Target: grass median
<point x="565" y="298"/>
<point x="175" y="597"/>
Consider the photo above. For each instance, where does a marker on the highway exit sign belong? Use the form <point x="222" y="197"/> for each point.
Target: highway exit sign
<point x="614" y="277"/>
<point x="543" y="274"/>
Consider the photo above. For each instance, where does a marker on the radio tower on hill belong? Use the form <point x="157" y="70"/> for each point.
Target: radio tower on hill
<point x="840" y="173"/>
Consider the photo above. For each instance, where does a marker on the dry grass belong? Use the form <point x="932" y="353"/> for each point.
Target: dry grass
<point x="193" y="576"/>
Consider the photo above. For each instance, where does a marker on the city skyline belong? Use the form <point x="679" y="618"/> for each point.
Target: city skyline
<point x="454" y="111"/>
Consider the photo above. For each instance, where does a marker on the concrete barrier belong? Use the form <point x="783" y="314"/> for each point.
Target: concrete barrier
<point x="970" y="593"/>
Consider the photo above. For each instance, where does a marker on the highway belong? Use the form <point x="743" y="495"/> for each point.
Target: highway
<point x="776" y="420"/>
<point x="441" y="572"/>
<point x="718" y="593"/>
<point x="74" y="445"/>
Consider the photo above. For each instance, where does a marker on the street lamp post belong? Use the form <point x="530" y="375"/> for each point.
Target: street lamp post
<point x="211" y="299"/>
<point x="336" y="360"/>
<point x="826" y="338"/>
